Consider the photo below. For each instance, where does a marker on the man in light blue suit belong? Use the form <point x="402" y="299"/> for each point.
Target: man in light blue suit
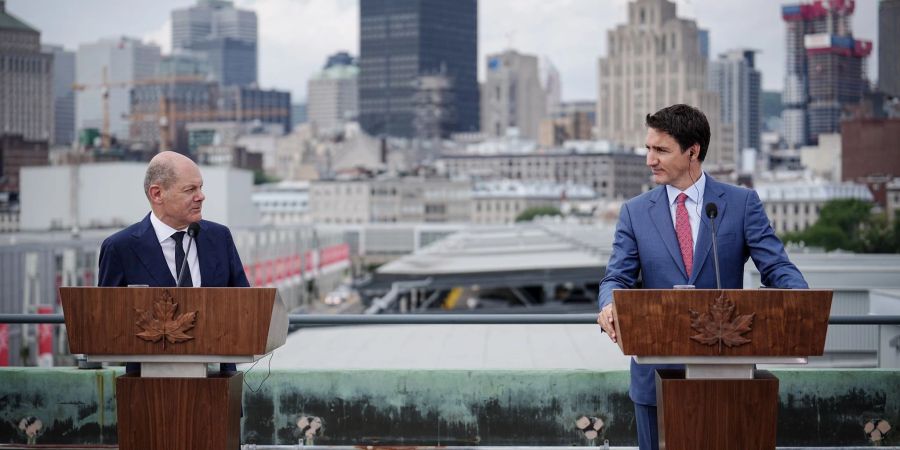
<point x="662" y="238"/>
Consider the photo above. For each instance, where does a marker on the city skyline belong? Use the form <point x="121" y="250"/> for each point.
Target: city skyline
<point x="572" y="33"/>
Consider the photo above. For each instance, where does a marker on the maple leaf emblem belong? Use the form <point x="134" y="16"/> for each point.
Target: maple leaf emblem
<point x="718" y="327"/>
<point x="162" y="323"/>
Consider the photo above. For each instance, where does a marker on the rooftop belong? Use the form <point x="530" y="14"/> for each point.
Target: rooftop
<point x="11" y="22"/>
<point x="478" y="250"/>
<point x="535" y="189"/>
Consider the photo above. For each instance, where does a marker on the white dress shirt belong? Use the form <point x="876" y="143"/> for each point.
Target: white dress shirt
<point x="167" y="242"/>
<point x="693" y="202"/>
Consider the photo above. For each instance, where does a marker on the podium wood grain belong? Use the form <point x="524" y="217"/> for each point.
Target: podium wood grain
<point x="724" y="414"/>
<point x="231" y="321"/>
<point x="179" y="413"/>
<point x="787" y="322"/>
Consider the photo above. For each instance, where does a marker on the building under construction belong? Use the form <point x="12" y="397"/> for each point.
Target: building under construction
<point x="824" y="68"/>
<point x="161" y="111"/>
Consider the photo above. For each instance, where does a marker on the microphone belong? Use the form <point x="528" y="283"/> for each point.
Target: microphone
<point x="192" y="232"/>
<point x="711" y="212"/>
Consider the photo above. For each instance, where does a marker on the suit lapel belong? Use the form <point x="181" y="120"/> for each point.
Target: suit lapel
<point x="149" y="252"/>
<point x="712" y="193"/>
<point x="206" y="254"/>
<point x="661" y="217"/>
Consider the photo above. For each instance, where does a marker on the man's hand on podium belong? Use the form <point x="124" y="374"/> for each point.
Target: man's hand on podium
<point x="605" y="320"/>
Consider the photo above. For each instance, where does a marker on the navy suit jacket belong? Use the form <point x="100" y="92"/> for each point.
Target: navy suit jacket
<point x="646" y="247"/>
<point x="134" y="256"/>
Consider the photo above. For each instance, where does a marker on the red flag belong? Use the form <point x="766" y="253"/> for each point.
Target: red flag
<point x="4" y="344"/>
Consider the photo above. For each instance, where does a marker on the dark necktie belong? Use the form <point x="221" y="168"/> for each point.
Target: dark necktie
<point x="683" y="230"/>
<point x="186" y="279"/>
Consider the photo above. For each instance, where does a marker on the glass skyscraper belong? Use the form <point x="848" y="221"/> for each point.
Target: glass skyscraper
<point x="402" y="41"/>
<point x="224" y="37"/>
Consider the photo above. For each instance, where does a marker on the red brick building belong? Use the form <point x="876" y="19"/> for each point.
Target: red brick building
<point x="870" y="153"/>
<point x="15" y="153"/>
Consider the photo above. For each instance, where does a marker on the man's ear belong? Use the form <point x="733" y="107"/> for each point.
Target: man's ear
<point x="154" y="194"/>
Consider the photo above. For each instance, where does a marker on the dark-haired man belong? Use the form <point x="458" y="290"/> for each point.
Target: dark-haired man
<point x="151" y="251"/>
<point x="663" y="239"/>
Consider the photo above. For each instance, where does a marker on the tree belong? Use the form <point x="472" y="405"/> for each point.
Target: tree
<point x="849" y="224"/>
<point x="260" y="177"/>
<point x="846" y="214"/>
<point x="529" y="214"/>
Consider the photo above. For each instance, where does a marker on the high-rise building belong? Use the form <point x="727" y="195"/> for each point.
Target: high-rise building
<point x="26" y="89"/>
<point x="551" y="82"/>
<point x="340" y="59"/>
<point x="299" y="114"/>
<point x="512" y="96"/>
<point x="656" y="60"/>
<point x="824" y="68"/>
<point x="889" y="47"/>
<point x="739" y="85"/>
<point x="183" y="64"/>
<point x="703" y="40"/>
<point x="402" y="40"/>
<point x="332" y="94"/>
<point x="63" y="94"/>
<point x="119" y="62"/>
<point x="226" y="37"/>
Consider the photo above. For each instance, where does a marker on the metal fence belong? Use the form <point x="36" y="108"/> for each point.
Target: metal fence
<point x="452" y="319"/>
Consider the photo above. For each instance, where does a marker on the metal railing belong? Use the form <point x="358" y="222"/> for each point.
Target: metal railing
<point x="452" y="319"/>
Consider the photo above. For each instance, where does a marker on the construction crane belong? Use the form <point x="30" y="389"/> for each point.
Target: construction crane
<point x="105" y="85"/>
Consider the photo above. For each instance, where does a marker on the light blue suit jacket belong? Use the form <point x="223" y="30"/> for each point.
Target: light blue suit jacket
<point x="646" y="254"/>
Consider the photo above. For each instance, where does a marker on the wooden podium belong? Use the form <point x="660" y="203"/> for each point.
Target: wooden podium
<point x="720" y="401"/>
<point x="174" y="333"/>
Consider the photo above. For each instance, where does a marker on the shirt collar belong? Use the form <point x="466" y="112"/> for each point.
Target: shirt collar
<point x="162" y="230"/>
<point x="694" y="192"/>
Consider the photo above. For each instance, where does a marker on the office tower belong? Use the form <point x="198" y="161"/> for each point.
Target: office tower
<point x="26" y="89"/>
<point x="824" y="68"/>
<point x="655" y="60"/>
<point x="332" y="94"/>
<point x="63" y="94"/>
<point x="403" y="40"/>
<point x="889" y="47"/>
<point x="512" y="96"/>
<point x="735" y="78"/>
<point x="551" y="82"/>
<point x="26" y="103"/>
<point x="703" y="41"/>
<point x="299" y="114"/>
<point x="226" y="37"/>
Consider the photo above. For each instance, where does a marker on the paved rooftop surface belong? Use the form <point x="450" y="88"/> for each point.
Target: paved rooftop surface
<point x="512" y="347"/>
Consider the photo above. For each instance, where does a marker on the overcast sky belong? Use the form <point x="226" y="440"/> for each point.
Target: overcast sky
<point x="296" y="36"/>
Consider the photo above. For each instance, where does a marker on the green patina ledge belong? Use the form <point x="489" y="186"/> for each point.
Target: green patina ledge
<point x="443" y="407"/>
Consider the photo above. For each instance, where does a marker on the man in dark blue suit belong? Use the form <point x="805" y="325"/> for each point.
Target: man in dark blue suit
<point x="151" y="251"/>
<point x="663" y="240"/>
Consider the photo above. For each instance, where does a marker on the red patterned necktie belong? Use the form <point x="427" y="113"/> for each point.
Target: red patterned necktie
<point x="683" y="230"/>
